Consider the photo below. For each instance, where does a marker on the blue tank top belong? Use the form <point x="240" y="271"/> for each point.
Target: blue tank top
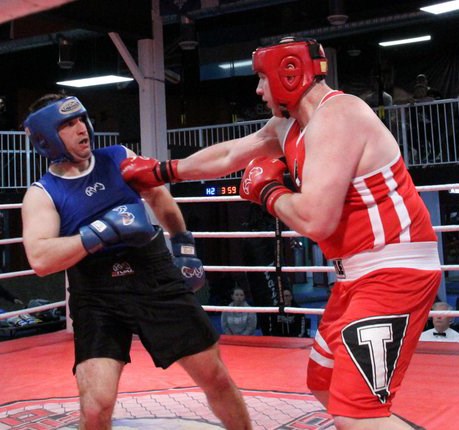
<point x="79" y="200"/>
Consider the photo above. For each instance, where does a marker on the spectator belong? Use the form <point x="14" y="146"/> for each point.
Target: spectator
<point x="241" y="323"/>
<point x="288" y="325"/>
<point x="420" y="94"/>
<point x="423" y="121"/>
<point x="422" y="86"/>
<point x="441" y="331"/>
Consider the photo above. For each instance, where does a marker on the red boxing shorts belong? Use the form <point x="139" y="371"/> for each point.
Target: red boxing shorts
<point x="367" y="336"/>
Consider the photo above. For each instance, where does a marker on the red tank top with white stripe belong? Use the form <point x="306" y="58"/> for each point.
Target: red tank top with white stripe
<point x="380" y="208"/>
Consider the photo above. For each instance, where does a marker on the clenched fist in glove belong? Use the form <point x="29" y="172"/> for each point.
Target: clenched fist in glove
<point x="143" y="173"/>
<point x="263" y="182"/>
<point x="126" y="224"/>
<point x="186" y="260"/>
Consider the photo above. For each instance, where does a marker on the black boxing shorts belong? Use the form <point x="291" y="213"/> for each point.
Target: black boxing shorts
<point x="114" y="295"/>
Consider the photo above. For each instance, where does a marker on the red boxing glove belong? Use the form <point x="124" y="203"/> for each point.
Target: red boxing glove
<point x="263" y="182"/>
<point x="143" y="173"/>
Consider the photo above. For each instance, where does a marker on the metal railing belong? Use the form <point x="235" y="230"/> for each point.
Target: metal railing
<point x="428" y="134"/>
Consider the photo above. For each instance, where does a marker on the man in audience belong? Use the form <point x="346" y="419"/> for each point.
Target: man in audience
<point x="441" y="331"/>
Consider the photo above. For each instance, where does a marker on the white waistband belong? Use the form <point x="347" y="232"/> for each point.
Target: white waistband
<point x="412" y="255"/>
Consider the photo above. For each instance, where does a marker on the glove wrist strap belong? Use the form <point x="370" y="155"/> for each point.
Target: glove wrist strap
<point x="90" y="240"/>
<point x="270" y="193"/>
<point x="183" y="244"/>
<point x="167" y="171"/>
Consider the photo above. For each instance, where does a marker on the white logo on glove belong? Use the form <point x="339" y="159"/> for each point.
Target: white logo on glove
<point x="255" y="171"/>
<point x="128" y="217"/>
<point x="192" y="272"/>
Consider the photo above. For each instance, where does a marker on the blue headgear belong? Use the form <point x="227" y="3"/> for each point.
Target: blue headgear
<point x="42" y="127"/>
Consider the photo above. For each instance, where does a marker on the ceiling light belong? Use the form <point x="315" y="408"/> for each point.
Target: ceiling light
<point x="337" y="19"/>
<point x="439" y="8"/>
<point x="188" y="39"/>
<point x="405" y="41"/>
<point x="96" y="80"/>
<point x="240" y="63"/>
<point x="337" y="15"/>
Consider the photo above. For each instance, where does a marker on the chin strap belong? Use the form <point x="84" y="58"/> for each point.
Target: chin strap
<point x="284" y="111"/>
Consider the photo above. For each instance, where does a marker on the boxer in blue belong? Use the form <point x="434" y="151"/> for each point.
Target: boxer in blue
<point x="83" y="218"/>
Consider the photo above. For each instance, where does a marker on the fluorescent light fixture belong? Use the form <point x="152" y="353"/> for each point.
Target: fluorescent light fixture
<point x="406" y="41"/>
<point x="235" y="64"/>
<point x="439" y="8"/>
<point x="96" y="80"/>
<point x="454" y="191"/>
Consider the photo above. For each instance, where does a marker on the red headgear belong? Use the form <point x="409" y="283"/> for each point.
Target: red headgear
<point x="291" y="69"/>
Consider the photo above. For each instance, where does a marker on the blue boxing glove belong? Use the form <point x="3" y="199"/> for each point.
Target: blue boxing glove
<point x="186" y="260"/>
<point x="127" y="224"/>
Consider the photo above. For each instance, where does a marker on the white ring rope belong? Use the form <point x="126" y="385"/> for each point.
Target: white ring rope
<point x="42" y="308"/>
<point x="236" y="234"/>
<point x="422" y="188"/>
<point x="287" y="269"/>
<point x="293" y="269"/>
<point x="257" y="309"/>
<point x="287" y="233"/>
<point x="10" y="241"/>
<point x="11" y="206"/>
<point x="289" y="310"/>
<point x="245" y="234"/>
<point x="16" y="274"/>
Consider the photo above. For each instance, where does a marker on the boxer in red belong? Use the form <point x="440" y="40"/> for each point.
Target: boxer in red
<point x="354" y="197"/>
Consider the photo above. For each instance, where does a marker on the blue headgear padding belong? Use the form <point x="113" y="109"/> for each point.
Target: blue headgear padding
<point x="42" y="127"/>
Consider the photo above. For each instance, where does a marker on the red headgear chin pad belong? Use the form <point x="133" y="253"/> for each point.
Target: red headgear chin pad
<point x="291" y="68"/>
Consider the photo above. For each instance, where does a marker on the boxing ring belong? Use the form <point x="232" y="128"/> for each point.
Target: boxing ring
<point x="38" y="390"/>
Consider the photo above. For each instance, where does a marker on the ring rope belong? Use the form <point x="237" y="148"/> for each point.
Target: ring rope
<point x="291" y="310"/>
<point x="15" y="274"/>
<point x="422" y="188"/>
<point x="287" y="233"/>
<point x="293" y="269"/>
<point x="239" y="234"/>
<point x="245" y="234"/>
<point x="46" y="307"/>
<point x="11" y="206"/>
<point x="208" y="308"/>
<point x="287" y="269"/>
<point x="10" y="241"/>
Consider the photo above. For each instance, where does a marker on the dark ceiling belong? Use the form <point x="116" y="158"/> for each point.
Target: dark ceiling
<point x="226" y="30"/>
<point x="221" y="25"/>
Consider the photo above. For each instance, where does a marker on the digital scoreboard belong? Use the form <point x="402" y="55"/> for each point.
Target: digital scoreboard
<point x="221" y="190"/>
